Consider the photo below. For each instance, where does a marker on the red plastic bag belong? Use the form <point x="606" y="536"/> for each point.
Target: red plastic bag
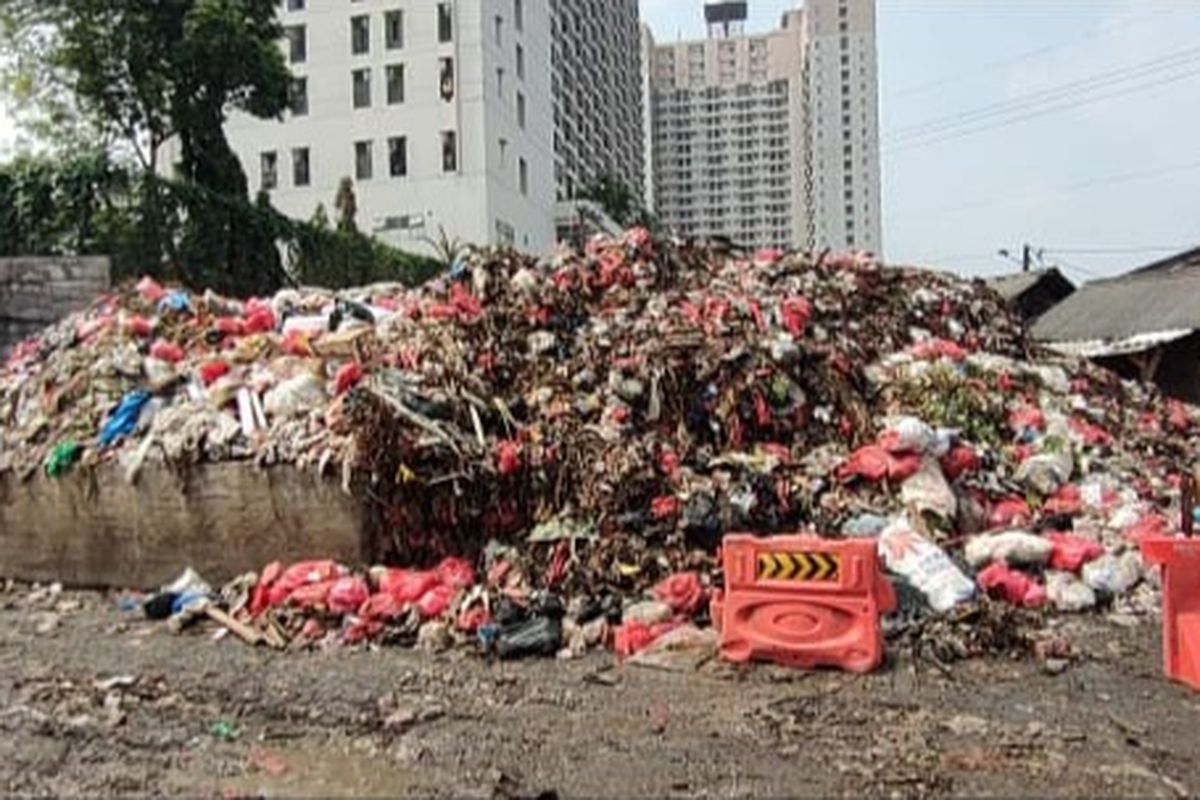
<point x="407" y="585"/>
<point x="633" y="637"/>
<point x="166" y="351"/>
<point x="436" y="601"/>
<point x="213" y="371"/>
<point x="1067" y="501"/>
<point x="311" y="596"/>
<point x="1150" y="526"/>
<point x="682" y="592"/>
<point x="935" y="349"/>
<point x="260" y="320"/>
<point x="874" y="463"/>
<point x="1027" y="417"/>
<point x="795" y="313"/>
<point x="348" y="376"/>
<point x="962" y="460"/>
<point x="1010" y="513"/>
<point x="260" y="596"/>
<point x="508" y="457"/>
<point x="1017" y="588"/>
<point x="150" y="290"/>
<point x="456" y="573"/>
<point x="297" y="343"/>
<point x="665" y="507"/>
<point x="1070" y="553"/>
<point x="301" y="574"/>
<point x="139" y="327"/>
<point x="1092" y="435"/>
<point x="347" y="595"/>
<point x="382" y="607"/>
<point x="230" y="326"/>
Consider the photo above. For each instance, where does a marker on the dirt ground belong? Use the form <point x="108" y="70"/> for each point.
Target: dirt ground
<point x="94" y="702"/>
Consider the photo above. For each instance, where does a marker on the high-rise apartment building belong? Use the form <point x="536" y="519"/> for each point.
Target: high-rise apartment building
<point x="598" y="102"/>
<point x="440" y="111"/>
<point x="770" y="139"/>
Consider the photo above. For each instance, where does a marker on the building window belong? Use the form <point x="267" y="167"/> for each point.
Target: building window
<point x="398" y="156"/>
<point x="520" y="62"/>
<point x="298" y="96"/>
<point x="500" y="81"/>
<point x="519" y="14"/>
<point x="449" y="151"/>
<point x="445" y="23"/>
<point x="297" y="36"/>
<point x="362" y="88"/>
<point x="446" y="80"/>
<point x="364" y="159"/>
<point x="295" y="5"/>
<point x="395" y="84"/>
<point x="393" y="30"/>
<point x="268" y="165"/>
<point x="523" y="175"/>
<point x="521" y="110"/>
<point x="499" y="30"/>
<point x="301" y="175"/>
<point x="360" y="35"/>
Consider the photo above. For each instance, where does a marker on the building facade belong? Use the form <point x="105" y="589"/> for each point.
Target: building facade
<point x="770" y="140"/>
<point x="598" y="94"/>
<point x="439" y="112"/>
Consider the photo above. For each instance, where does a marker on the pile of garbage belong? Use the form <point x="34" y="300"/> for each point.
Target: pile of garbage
<point x="592" y="424"/>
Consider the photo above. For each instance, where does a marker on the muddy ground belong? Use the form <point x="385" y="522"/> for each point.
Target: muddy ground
<point x="96" y="702"/>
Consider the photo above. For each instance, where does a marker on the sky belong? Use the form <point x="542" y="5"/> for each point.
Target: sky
<point x="1120" y="175"/>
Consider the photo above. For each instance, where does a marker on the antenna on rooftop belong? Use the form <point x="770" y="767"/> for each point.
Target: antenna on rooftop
<point x="726" y="17"/>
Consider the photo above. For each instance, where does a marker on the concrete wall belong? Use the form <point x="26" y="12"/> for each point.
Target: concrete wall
<point x="35" y="292"/>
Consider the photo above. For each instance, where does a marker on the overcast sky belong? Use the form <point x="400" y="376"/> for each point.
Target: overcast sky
<point x="1121" y="174"/>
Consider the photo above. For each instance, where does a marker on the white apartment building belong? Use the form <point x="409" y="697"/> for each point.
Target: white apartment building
<point x="440" y="111"/>
<point x="598" y="94"/>
<point x="771" y="140"/>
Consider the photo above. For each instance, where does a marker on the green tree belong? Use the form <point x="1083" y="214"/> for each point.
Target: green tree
<point x="347" y="206"/>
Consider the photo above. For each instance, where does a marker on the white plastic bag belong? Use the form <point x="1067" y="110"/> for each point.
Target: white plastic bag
<point x="905" y="552"/>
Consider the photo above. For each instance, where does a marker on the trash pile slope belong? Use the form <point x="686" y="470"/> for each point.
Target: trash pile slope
<point x="611" y="413"/>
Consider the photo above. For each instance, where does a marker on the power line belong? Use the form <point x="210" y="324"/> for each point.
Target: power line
<point x="1052" y="94"/>
<point x="1118" y="251"/>
<point x="1041" y="113"/>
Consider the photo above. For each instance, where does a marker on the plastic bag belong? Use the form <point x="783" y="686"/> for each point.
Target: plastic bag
<point x="167" y="351"/>
<point x="1011" y="547"/>
<point x="435" y="602"/>
<point x="927" y="490"/>
<point x="407" y="586"/>
<point x="925" y="565"/>
<point x="347" y="595"/>
<point x="1114" y="575"/>
<point x="295" y="397"/>
<point x="456" y="573"/>
<point x="1017" y="588"/>
<point x="1072" y="553"/>
<point x="124" y="420"/>
<point x="682" y="592"/>
<point x="1068" y="593"/>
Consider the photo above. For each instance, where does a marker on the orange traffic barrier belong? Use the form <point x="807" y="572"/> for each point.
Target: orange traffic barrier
<point x="1180" y="560"/>
<point x="802" y="601"/>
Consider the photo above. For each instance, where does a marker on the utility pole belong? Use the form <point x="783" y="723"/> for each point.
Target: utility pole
<point x="1027" y="259"/>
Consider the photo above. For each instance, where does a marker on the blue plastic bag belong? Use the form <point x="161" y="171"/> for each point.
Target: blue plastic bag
<point x="124" y="420"/>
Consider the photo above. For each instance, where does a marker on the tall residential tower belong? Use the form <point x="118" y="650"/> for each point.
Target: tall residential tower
<point x="772" y="139"/>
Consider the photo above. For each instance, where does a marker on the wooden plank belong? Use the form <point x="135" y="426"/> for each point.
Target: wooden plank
<point x="93" y="529"/>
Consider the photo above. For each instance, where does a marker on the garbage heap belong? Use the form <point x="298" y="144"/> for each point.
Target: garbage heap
<point x="592" y="425"/>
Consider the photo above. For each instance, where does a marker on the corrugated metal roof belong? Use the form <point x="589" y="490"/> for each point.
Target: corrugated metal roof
<point x="1013" y="286"/>
<point x="1119" y="308"/>
<point x="1101" y="348"/>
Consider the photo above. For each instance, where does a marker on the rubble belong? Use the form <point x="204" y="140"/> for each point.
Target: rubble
<point x="590" y="424"/>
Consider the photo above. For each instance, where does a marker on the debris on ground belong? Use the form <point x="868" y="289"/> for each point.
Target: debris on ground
<point x="545" y="444"/>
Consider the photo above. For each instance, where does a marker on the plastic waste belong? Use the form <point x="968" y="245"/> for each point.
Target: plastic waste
<point x="928" y="491"/>
<point x="1045" y="473"/>
<point x="541" y="634"/>
<point x="406" y="585"/>
<point x="1011" y="547"/>
<point x="1114" y="575"/>
<point x="1003" y="582"/>
<point x="62" y="458"/>
<point x="124" y="419"/>
<point x="649" y="612"/>
<point x="633" y="637"/>
<point x="864" y="526"/>
<point x="1071" y="553"/>
<point x="908" y="435"/>
<point x="348" y="595"/>
<point x="682" y="592"/>
<point x="295" y="397"/>
<point x="167" y="351"/>
<point x="1068" y="593"/>
<point x="924" y="565"/>
<point x="188" y="582"/>
<point x="436" y="601"/>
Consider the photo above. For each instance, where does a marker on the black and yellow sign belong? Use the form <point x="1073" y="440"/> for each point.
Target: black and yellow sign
<point x="798" y="566"/>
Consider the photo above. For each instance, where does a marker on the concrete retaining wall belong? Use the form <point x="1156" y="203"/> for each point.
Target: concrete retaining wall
<point x="35" y="292"/>
<point x="94" y="529"/>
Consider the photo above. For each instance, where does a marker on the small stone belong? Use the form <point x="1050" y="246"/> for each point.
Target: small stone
<point x="434" y="637"/>
<point x="1055" y="666"/>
